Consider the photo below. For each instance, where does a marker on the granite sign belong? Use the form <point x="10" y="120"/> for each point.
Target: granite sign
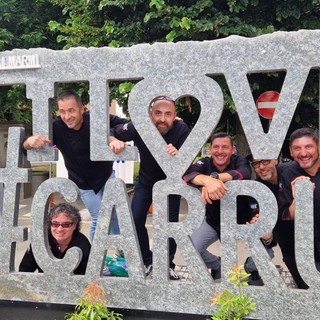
<point x="175" y="70"/>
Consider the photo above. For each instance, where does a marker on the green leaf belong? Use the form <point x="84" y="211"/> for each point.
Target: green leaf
<point x="159" y="4"/>
<point x="125" y="87"/>
<point x="53" y="25"/>
<point x="171" y="36"/>
<point x="102" y="4"/>
<point x="186" y="23"/>
<point x="148" y="17"/>
<point x="175" y="22"/>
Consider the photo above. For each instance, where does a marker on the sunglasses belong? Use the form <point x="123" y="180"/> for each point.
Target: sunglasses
<point x="167" y="98"/>
<point x="164" y="98"/>
<point x="64" y="225"/>
<point x="256" y="164"/>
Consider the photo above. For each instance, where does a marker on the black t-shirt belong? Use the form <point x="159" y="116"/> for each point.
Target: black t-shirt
<point x="254" y="205"/>
<point x="286" y="198"/>
<point x="29" y="264"/>
<point x="75" y="148"/>
<point x="150" y="172"/>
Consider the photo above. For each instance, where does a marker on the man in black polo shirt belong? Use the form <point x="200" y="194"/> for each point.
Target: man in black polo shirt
<point x="268" y="172"/>
<point x="304" y="149"/>
<point x="210" y="173"/>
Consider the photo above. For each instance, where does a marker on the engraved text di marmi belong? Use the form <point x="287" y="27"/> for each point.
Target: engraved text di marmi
<point x="30" y="61"/>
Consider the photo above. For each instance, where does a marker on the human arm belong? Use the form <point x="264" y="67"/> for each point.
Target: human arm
<point x="117" y="146"/>
<point x="176" y="137"/>
<point x="198" y="175"/>
<point x="212" y="188"/>
<point x="239" y="169"/>
<point x="124" y="132"/>
<point x="35" y="142"/>
<point x="115" y="120"/>
<point x="291" y="208"/>
<point x="268" y="237"/>
<point x="288" y="177"/>
<point x="171" y="149"/>
<point x="119" y="134"/>
<point x="206" y="197"/>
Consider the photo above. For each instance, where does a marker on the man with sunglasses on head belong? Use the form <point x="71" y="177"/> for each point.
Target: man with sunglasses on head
<point x="163" y="114"/>
<point x="211" y="173"/>
<point x="63" y="223"/>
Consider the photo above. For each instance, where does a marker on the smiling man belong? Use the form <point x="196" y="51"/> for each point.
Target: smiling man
<point x="63" y="222"/>
<point x="304" y="149"/>
<point x="268" y="172"/>
<point x="211" y="173"/>
<point x="162" y="112"/>
<point x="71" y="135"/>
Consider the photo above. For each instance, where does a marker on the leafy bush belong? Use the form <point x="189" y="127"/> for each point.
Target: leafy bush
<point x="234" y="306"/>
<point x="93" y="306"/>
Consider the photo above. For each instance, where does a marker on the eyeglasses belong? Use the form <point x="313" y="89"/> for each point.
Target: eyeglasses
<point x="64" y="225"/>
<point x="256" y="164"/>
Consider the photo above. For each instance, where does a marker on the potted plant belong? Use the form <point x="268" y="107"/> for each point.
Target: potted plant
<point x="234" y="306"/>
<point x="93" y="305"/>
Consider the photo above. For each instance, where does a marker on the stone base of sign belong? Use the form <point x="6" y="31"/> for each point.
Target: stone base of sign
<point x="19" y="310"/>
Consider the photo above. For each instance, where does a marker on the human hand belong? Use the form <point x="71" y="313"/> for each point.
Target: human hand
<point x="117" y="146"/>
<point x="268" y="237"/>
<point x="205" y="196"/>
<point x="36" y="142"/>
<point x="293" y="183"/>
<point x="215" y="188"/>
<point x="172" y="150"/>
<point x="254" y="219"/>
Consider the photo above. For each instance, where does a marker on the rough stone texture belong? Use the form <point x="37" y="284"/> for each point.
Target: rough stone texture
<point x="175" y="70"/>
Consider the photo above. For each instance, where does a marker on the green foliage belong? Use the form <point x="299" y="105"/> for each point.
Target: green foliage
<point x="125" y="87"/>
<point x="119" y="23"/>
<point x="93" y="306"/>
<point x="14" y="106"/>
<point x="81" y="88"/>
<point x="234" y="306"/>
<point x="26" y="28"/>
<point x="23" y="24"/>
<point x="61" y="24"/>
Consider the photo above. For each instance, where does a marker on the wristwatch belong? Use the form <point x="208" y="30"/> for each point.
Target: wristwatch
<point x="214" y="174"/>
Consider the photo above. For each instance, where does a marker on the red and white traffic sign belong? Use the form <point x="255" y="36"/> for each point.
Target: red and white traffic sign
<point x="266" y="104"/>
